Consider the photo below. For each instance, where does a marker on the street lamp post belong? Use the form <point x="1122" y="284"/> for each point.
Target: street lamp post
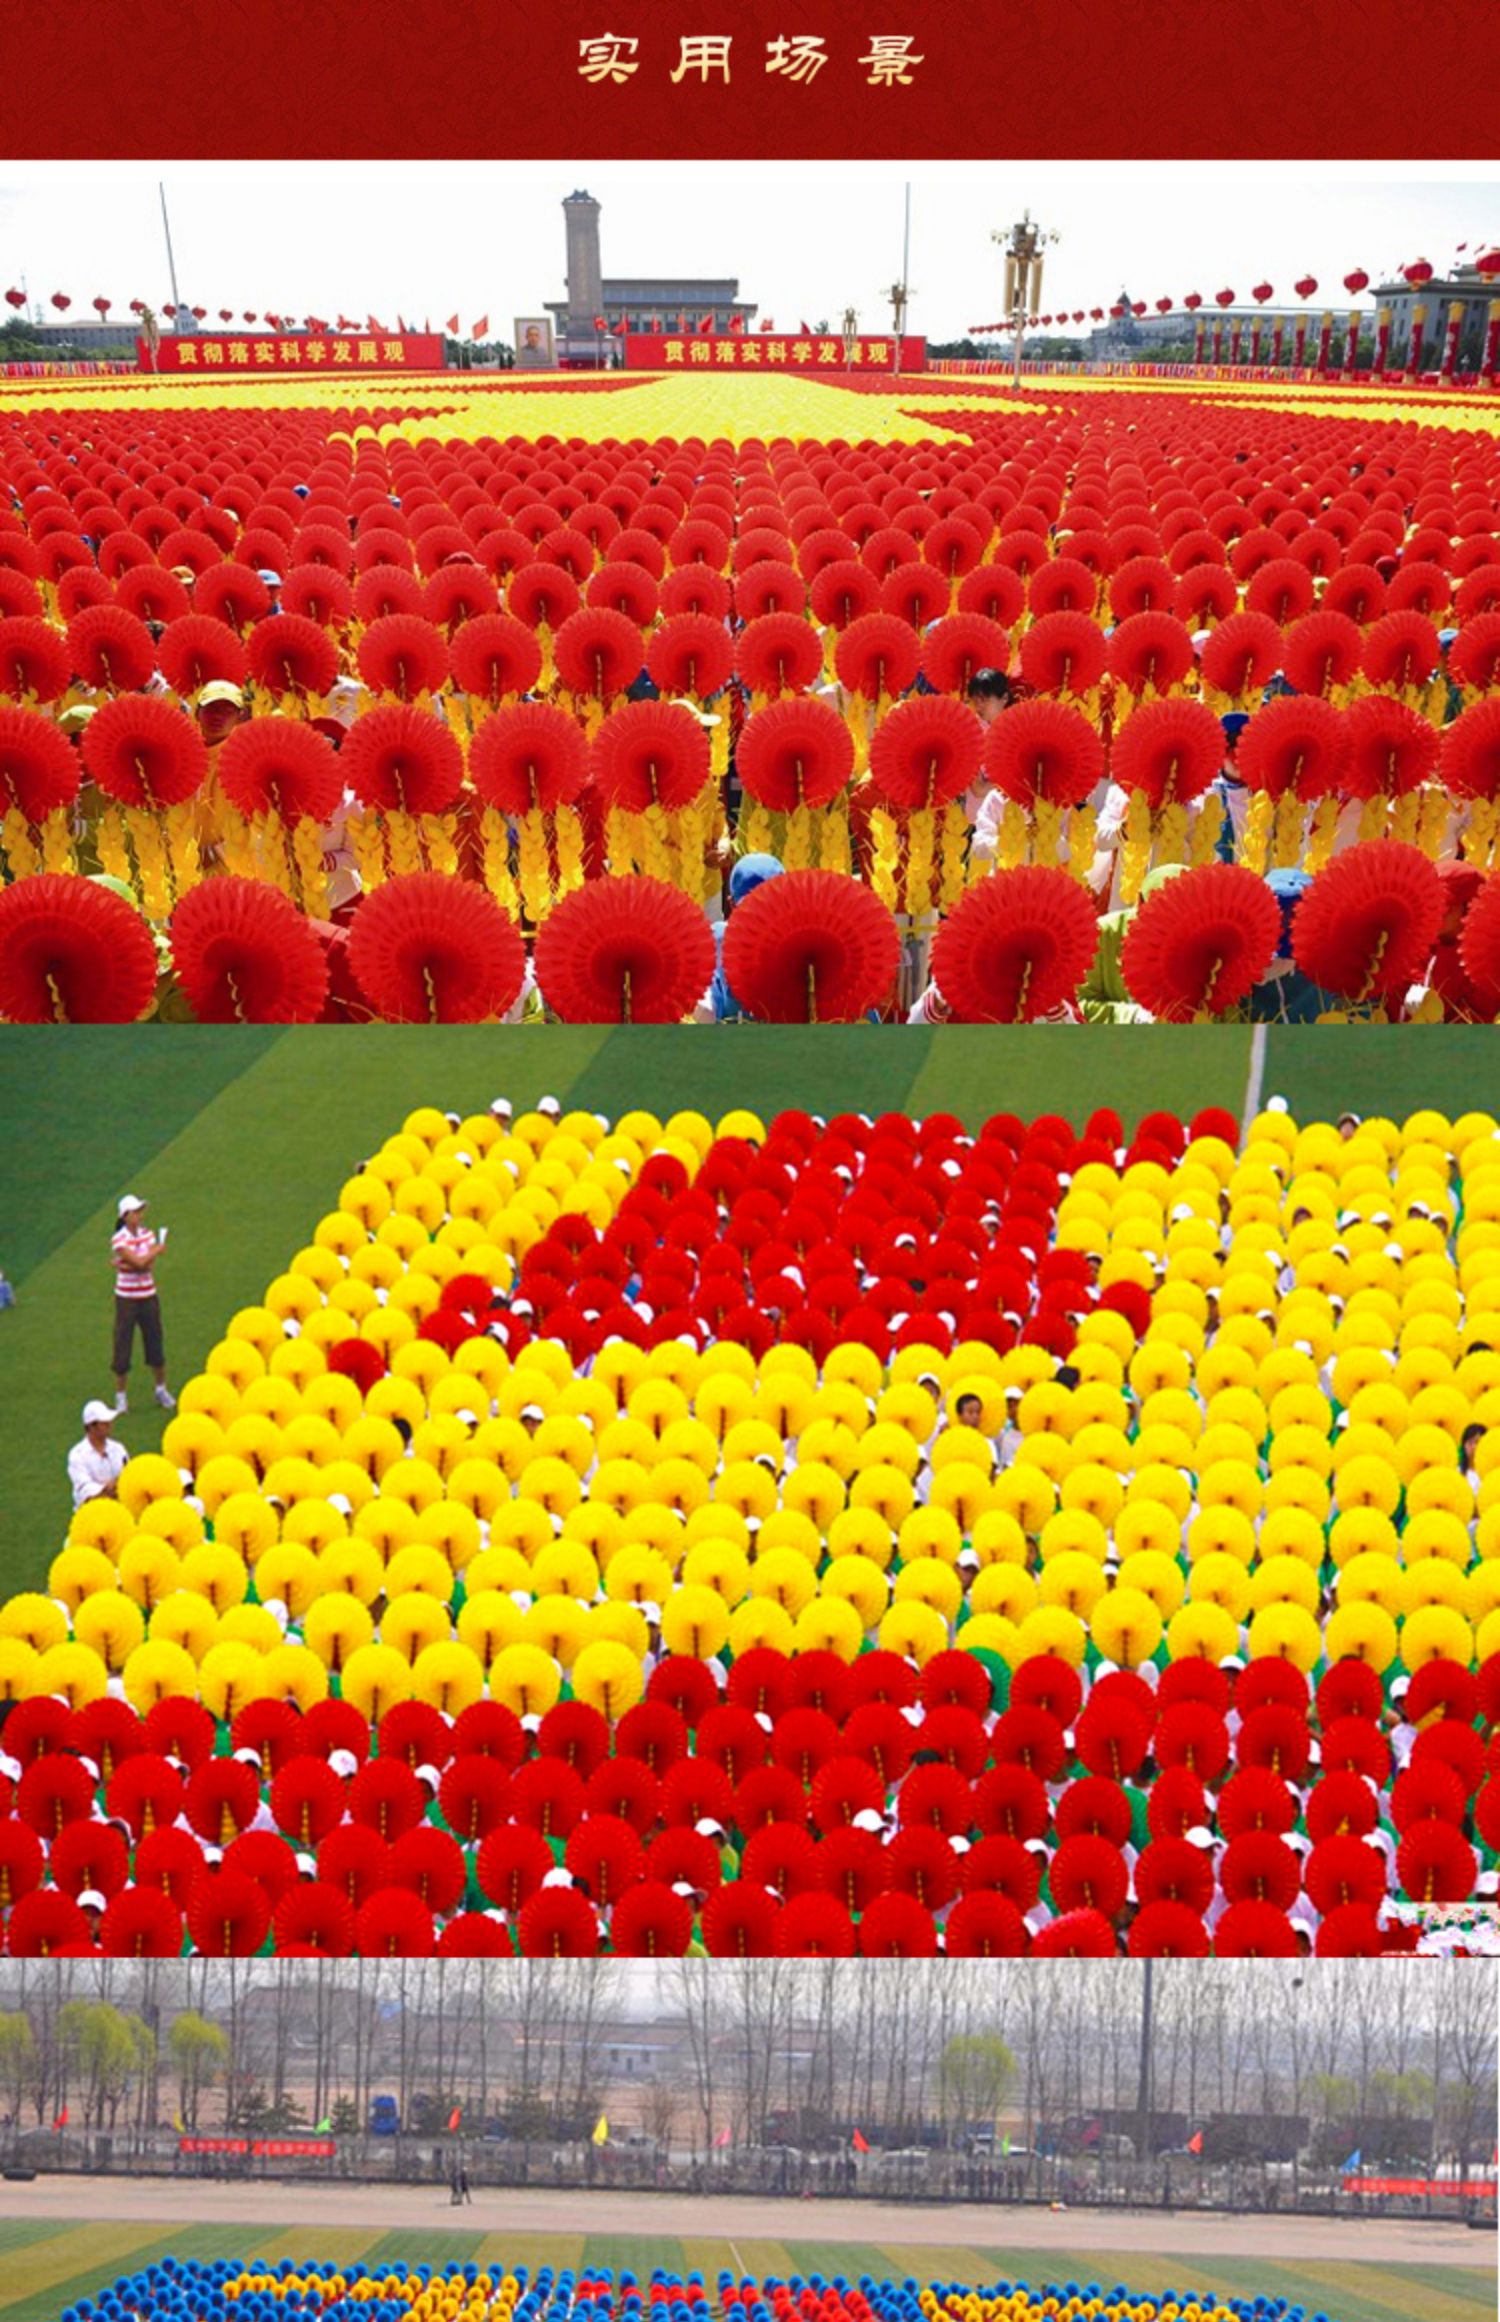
<point x="1023" y="247"/>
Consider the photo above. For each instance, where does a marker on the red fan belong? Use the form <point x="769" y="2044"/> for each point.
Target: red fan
<point x="475" y="1935"/>
<point x="542" y="595"/>
<point x="458" y="595"/>
<point x="384" y="589"/>
<point x="1401" y="650"/>
<point x="429" y="1864"/>
<point x="307" y="1801"/>
<point x="1150" y="649"/>
<point x="425" y="948"/>
<point x="1474" y="655"/>
<point x="740" y="1922"/>
<point x="1065" y="585"/>
<point x="404" y="655"/>
<point x="925" y="753"/>
<point x="280" y="766"/>
<point x="1169" y="751"/>
<point x="794" y="753"/>
<point x="815" y="1927"/>
<point x="244" y="954"/>
<point x="650" y="753"/>
<point x="72" y="952"/>
<point x="625" y="950"/>
<point x="811" y="947"/>
<point x="315" y="593"/>
<point x="38" y="766"/>
<point x="1044" y="750"/>
<point x="197" y="650"/>
<point x="1241" y="655"/>
<point x="1469" y="763"/>
<point x="984" y="1926"/>
<point x="605" y="1856"/>
<point x="313" y="1919"/>
<point x="842" y="591"/>
<point x="897" y="1927"/>
<point x="1282" y="590"/>
<point x="403" y="760"/>
<point x="1063" y="653"/>
<point x="292" y="655"/>
<point x="228" y="1915"/>
<point x="47" y="1925"/>
<point x="953" y="651"/>
<point x="691" y="654"/>
<point x="1200" y="943"/>
<point x="652" y="1922"/>
<point x="1479" y="945"/>
<point x="598" y="653"/>
<point x="1436" y="1864"/>
<point x="995" y="591"/>
<point x="914" y="593"/>
<point x="1366" y="926"/>
<point x="35" y="664"/>
<point x="559" y="1923"/>
<point x="141" y="1923"/>
<point x="529" y="755"/>
<point x="769" y="587"/>
<point x="1142" y="584"/>
<point x="778" y="653"/>
<point x="494" y="656"/>
<point x="1167" y="1930"/>
<point x="1076" y="1935"/>
<point x="877" y="657"/>
<point x="394" y="1924"/>
<point x="1018" y="945"/>
<point x="693" y="588"/>
<point x="233" y="594"/>
<point x="142" y="751"/>
<point x="151" y="593"/>
<point x="112" y="651"/>
<point x="1089" y="1874"/>
<point x="1392" y="748"/>
<point x="512" y="1863"/>
<point x="1296" y="745"/>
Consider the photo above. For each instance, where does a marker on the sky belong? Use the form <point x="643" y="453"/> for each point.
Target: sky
<point x="806" y="240"/>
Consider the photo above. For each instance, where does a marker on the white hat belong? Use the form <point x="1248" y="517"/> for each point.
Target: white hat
<point x="97" y="1414"/>
<point x="129" y="1201"/>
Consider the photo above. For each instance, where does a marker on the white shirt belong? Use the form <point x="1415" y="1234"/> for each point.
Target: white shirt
<point x="91" y="1472"/>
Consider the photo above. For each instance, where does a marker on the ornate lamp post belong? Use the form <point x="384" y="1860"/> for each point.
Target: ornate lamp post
<point x="1023" y="247"/>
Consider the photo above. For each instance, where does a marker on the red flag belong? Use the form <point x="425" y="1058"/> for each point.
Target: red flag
<point x="681" y="321"/>
<point x="401" y="325"/>
<point x="481" y="329"/>
<point x="707" y="324"/>
<point x="721" y="2140"/>
<point x="807" y="330"/>
<point x="736" y="322"/>
<point x="455" y="2116"/>
<point x="61" y="2121"/>
<point x="377" y="327"/>
<point x="620" y="328"/>
<point x="599" y="323"/>
<point x="427" y="327"/>
<point x="859" y="2142"/>
<point x="1195" y="2144"/>
<point x="768" y="325"/>
<point x="452" y="326"/>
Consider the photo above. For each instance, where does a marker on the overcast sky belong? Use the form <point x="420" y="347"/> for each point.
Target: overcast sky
<point x="804" y="239"/>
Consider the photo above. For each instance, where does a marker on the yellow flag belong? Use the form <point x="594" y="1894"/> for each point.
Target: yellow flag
<point x="601" y="2130"/>
<point x="179" y="2124"/>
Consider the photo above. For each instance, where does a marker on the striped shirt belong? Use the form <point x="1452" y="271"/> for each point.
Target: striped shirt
<point x="138" y="1248"/>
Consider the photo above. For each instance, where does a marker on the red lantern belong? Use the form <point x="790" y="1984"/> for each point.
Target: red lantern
<point x="61" y="301"/>
<point x="1356" y="282"/>
<point x="1118" y="311"/>
<point x="1193" y="301"/>
<point x="1164" y="306"/>
<point x="226" y="314"/>
<point x="249" y="318"/>
<point x="1223" y="298"/>
<point x="1139" y="307"/>
<point x="101" y="307"/>
<point x="1417" y="273"/>
<point x="1305" y="285"/>
<point x="1487" y="266"/>
<point x="16" y="298"/>
<point x="1096" y="314"/>
<point x="199" y="313"/>
<point x="1261" y="293"/>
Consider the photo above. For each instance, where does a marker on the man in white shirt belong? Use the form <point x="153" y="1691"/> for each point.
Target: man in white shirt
<point x="94" y="1463"/>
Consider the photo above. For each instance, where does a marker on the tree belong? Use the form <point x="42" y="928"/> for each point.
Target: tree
<point x="99" y="2044"/>
<point x="199" y="2052"/>
<point x="17" y="2060"/>
<point x="976" y="2073"/>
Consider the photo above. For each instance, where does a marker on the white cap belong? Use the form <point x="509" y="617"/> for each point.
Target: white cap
<point x="97" y="1414"/>
<point x="90" y="1900"/>
<point x="128" y="1201"/>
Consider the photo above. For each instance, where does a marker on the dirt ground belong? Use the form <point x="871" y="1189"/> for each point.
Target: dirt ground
<point x="146" y="2201"/>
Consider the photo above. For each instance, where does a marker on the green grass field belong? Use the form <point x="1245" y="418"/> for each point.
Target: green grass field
<point x="44" y="2268"/>
<point x="240" y="1138"/>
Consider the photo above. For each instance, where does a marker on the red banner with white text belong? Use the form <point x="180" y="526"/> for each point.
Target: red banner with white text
<point x="230" y="357"/>
<point x="770" y="351"/>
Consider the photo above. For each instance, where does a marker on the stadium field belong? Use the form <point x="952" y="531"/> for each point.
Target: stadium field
<point x="241" y="1137"/>
<point x="54" y="2248"/>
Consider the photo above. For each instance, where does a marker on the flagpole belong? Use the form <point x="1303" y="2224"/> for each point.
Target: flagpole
<point x="166" y="227"/>
<point x="1143" y="2083"/>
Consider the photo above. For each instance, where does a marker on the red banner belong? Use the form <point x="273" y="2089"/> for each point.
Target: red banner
<point x="768" y="351"/>
<point x="1425" y="2188"/>
<point x="263" y="2148"/>
<point x="228" y="357"/>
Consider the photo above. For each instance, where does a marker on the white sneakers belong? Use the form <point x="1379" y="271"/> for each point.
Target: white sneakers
<point x="122" y="1404"/>
<point x="166" y="1398"/>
